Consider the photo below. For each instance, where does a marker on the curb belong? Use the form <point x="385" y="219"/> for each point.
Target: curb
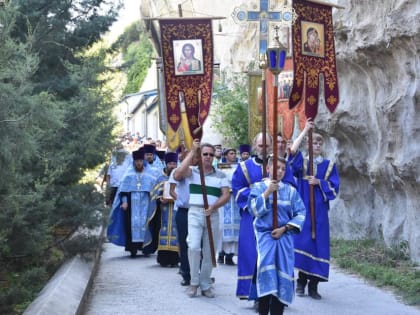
<point x="67" y="291"/>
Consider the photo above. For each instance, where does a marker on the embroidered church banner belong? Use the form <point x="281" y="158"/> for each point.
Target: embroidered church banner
<point x="313" y="55"/>
<point x="187" y="56"/>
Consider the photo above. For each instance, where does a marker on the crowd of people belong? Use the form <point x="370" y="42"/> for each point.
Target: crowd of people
<point x="162" y="202"/>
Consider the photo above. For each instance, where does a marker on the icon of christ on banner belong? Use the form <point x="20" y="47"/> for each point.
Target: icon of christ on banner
<point x="188" y="55"/>
<point x="187" y="58"/>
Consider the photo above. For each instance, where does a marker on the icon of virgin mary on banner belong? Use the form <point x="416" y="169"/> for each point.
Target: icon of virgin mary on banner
<point x="313" y="55"/>
<point x="187" y="55"/>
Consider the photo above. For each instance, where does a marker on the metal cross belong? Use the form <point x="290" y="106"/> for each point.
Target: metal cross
<point x="264" y="16"/>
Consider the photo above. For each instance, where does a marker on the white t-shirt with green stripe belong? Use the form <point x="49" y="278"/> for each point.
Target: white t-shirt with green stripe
<point x="215" y="181"/>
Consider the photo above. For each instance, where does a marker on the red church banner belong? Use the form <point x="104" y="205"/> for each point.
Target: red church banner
<point x="313" y="54"/>
<point x="287" y="117"/>
<point x="187" y="53"/>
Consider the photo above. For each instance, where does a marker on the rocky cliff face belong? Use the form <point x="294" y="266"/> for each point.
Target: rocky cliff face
<point x="375" y="130"/>
<point x="374" y="135"/>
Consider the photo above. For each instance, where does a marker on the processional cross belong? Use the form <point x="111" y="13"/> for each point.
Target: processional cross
<point x="284" y="17"/>
<point x="264" y="16"/>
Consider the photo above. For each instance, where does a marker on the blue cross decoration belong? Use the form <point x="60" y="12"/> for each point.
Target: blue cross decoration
<point x="264" y="16"/>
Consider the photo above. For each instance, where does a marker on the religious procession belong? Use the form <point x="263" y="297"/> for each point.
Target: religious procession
<point x="237" y="161"/>
<point x="198" y="203"/>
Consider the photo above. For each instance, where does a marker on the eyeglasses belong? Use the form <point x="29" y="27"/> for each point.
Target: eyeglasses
<point x="207" y="154"/>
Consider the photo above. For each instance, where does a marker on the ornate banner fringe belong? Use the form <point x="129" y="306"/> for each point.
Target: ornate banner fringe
<point x="187" y="53"/>
<point x="313" y="54"/>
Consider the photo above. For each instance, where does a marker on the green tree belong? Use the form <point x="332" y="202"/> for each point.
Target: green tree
<point x="61" y="29"/>
<point x="230" y="109"/>
<point x="137" y="51"/>
<point x="55" y="123"/>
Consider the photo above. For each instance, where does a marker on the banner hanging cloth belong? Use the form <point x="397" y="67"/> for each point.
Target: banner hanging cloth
<point x="187" y="55"/>
<point x="313" y="54"/>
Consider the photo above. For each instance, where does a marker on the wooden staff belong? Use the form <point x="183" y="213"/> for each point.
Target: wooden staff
<point x="263" y="66"/>
<point x="206" y="205"/>
<point x="311" y="187"/>
<point x="275" y="153"/>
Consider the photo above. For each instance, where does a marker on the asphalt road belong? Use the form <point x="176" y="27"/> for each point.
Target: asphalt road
<point x="141" y="286"/>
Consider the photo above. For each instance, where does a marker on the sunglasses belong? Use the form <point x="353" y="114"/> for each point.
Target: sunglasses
<point x="207" y="154"/>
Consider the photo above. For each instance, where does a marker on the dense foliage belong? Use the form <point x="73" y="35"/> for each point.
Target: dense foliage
<point x="55" y="123"/>
<point x="137" y="51"/>
<point x="230" y="109"/>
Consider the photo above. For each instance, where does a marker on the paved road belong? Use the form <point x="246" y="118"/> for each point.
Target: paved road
<point x="140" y="286"/>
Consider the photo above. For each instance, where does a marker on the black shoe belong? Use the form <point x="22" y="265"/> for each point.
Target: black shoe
<point x="221" y="258"/>
<point x="300" y="289"/>
<point x="133" y="253"/>
<point x="185" y="283"/>
<point x="256" y="306"/>
<point x="314" y="294"/>
<point x="313" y="290"/>
<point x="229" y="260"/>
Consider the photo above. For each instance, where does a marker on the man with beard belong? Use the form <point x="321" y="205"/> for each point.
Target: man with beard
<point x="244" y="152"/>
<point x="163" y="207"/>
<point x="151" y="160"/>
<point x="130" y="216"/>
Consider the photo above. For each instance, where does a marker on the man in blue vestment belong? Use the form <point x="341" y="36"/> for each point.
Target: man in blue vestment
<point x="244" y="152"/>
<point x="151" y="160"/>
<point x="274" y="282"/>
<point x="162" y="206"/>
<point x="130" y="215"/>
<point x="312" y="256"/>
<point x="246" y="174"/>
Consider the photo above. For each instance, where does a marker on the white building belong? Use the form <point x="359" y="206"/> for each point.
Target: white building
<point x="142" y="110"/>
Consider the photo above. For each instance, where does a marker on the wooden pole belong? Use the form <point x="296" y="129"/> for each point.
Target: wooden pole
<point x="311" y="187"/>
<point x="206" y="205"/>
<point x="180" y="10"/>
<point x="275" y="153"/>
<point x="263" y="67"/>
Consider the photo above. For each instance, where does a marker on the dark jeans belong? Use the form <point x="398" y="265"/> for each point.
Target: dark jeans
<point x="181" y="220"/>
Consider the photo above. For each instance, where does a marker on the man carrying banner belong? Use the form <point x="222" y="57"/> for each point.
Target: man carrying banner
<point x="217" y="188"/>
<point x="312" y="256"/>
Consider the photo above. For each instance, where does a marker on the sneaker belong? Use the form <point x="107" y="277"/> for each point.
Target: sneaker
<point x="192" y="291"/>
<point x="208" y="293"/>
